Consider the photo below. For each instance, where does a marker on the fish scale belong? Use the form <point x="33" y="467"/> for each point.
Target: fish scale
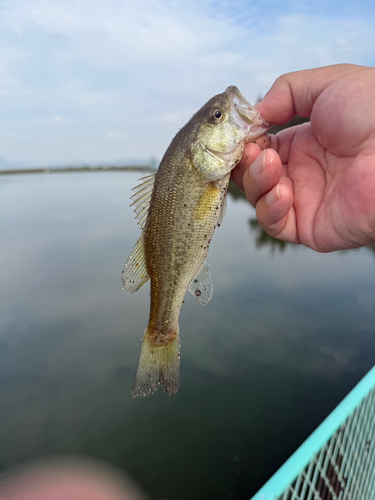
<point x="179" y="209"/>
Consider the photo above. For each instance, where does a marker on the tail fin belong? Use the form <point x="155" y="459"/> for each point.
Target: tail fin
<point x="158" y="365"/>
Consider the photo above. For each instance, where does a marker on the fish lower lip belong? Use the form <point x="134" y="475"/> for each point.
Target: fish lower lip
<point x="265" y="125"/>
<point x="258" y="130"/>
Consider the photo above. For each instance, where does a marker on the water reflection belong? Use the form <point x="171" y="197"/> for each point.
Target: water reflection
<point x="263" y="239"/>
<point x="284" y="338"/>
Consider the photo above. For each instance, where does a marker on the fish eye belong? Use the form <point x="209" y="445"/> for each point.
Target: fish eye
<point x="216" y="115"/>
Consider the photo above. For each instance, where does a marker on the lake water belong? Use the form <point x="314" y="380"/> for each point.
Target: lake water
<point x="287" y="334"/>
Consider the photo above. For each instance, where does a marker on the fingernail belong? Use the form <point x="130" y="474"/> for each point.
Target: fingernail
<point x="259" y="164"/>
<point x="273" y="195"/>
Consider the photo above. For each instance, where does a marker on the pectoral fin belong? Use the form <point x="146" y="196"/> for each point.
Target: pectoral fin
<point x="201" y="286"/>
<point x="135" y="274"/>
<point x="222" y="211"/>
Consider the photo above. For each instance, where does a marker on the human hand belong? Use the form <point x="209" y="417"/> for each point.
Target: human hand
<point x="316" y="186"/>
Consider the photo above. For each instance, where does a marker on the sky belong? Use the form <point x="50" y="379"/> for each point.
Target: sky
<point x="93" y="81"/>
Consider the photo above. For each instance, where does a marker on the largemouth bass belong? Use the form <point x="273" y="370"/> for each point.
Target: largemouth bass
<point x="178" y="209"/>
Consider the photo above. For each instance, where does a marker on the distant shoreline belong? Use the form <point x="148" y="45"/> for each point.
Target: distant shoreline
<point x="52" y="170"/>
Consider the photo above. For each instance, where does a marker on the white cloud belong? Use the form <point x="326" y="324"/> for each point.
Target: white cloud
<point x="177" y="118"/>
<point x="59" y="119"/>
<point x="111" y="65"/>
<point x="115" y="134"/>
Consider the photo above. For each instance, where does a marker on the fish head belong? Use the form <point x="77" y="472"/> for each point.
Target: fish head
<point x="228" y="119"/>
<point x="223" y="126"/>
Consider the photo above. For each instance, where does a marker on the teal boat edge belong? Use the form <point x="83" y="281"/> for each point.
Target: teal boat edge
<point x="289" y="471"/>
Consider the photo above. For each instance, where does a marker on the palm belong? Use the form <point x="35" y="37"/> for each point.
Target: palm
<point x="331" y="163"/>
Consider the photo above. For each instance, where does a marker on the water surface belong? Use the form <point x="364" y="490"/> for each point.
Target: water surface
<point x="287" y="334"/>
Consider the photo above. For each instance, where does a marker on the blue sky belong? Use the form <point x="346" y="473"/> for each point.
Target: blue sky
<point x="90" y="81"/>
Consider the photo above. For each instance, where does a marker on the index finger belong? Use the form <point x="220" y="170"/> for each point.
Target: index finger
<point x="295" y="93"/>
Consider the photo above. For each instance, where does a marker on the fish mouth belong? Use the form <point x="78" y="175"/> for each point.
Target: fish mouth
<point x="246" y="116"/>
<point x="255" y="125"/>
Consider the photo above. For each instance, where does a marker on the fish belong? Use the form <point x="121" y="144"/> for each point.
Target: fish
<point x="178" y="209"/>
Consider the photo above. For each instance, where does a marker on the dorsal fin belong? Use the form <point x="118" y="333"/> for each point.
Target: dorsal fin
<point x="142" y="198"/>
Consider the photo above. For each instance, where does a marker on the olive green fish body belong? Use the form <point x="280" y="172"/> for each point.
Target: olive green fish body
<point x="182" y="220"/>
<point x="179" y="209"/>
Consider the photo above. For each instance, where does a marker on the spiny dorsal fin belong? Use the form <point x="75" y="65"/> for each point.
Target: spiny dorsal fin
<point x="201" y="286"/>
<point x="135" y="274"/>
<point x="142" y="198"/>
